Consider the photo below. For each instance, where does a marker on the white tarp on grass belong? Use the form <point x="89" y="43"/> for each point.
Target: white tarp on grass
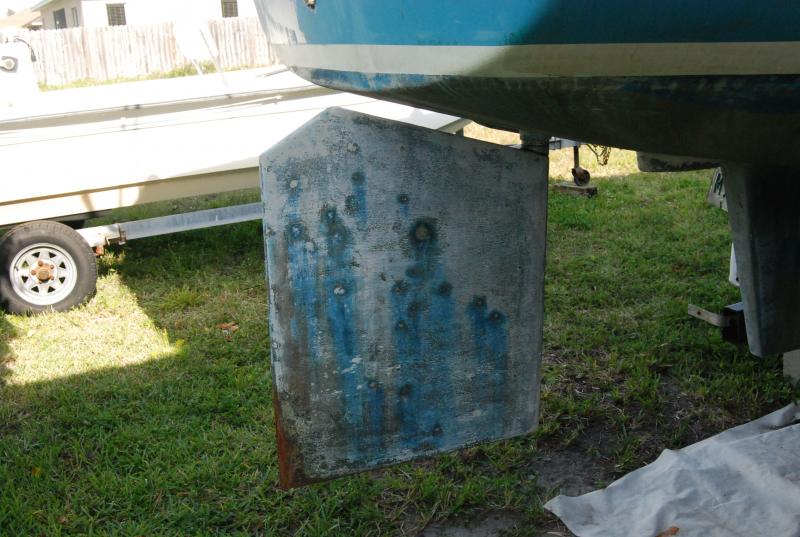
<point x="742" y="482"/>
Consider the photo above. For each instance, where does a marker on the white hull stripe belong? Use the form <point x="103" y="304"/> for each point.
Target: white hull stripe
<point x="521" y="61"/>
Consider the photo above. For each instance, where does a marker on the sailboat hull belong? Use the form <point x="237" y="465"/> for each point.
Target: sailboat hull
<point x="718" y="80"/>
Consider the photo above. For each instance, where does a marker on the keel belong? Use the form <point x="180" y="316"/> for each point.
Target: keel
<point x="763" y="204"/>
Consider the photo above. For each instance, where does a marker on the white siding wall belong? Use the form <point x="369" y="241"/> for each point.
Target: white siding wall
<point x="94" y="13"/>
<point x="154" y="11"/>
<point x="247" y="8"/>
<point x="48" y="23"/>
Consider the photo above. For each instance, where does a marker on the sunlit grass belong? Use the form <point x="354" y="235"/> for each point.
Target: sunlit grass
<point x="111" y="331"/>
<point x="186" y="70"/>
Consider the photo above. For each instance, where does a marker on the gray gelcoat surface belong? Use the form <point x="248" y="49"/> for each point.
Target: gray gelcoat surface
<point x="762" y="204"/>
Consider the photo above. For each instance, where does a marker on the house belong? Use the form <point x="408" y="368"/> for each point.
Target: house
<point x="92" y="13"/>
<point x="26" y="19"/>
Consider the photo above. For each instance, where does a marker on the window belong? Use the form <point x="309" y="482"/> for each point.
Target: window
<point x="60" y="18"/>
<point x="75" y="20"/>
<point x="116" y="14"/>
<point x="230" y="8"/>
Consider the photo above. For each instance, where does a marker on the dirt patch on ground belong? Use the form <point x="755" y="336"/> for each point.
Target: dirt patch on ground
<point x="493" y="524"/>
<point x="576" y="469"/>
<point x="671" y="420"/>
<point x="581" y="467"/>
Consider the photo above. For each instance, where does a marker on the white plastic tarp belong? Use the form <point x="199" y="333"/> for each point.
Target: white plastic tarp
<point x="742" y="482"/>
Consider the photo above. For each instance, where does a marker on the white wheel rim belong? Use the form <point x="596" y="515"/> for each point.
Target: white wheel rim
<point x="56" y="268"/>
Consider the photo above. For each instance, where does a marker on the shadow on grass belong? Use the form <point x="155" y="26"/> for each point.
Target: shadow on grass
<point x="7" y="333"/>
<point x="189" y="283"/>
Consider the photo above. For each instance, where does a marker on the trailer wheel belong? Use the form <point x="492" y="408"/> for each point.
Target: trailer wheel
<point x="581" y="176"/>
<point x="45" y="266"/>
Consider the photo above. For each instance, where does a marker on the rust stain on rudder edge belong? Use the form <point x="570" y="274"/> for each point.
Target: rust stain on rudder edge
<point x="290" y="467"/>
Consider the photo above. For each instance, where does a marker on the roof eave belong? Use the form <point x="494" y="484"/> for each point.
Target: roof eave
<point x="40" y="5"/>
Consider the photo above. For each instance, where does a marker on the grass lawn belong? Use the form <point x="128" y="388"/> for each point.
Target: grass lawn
<point x="137" y="415"/>
<point x="186" y="70"/>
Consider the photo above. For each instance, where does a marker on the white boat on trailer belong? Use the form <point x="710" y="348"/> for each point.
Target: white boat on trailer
<point x="72" y="154"/>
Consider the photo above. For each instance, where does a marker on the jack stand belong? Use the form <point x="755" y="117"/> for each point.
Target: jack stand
<point x="580" y="176"/>
<point x="580" y="179"/>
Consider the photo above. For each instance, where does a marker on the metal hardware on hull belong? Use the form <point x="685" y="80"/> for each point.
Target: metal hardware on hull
<point x="406" y="275"/>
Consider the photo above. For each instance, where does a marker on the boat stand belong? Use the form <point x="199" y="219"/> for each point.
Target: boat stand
<point x="406" y="272"/>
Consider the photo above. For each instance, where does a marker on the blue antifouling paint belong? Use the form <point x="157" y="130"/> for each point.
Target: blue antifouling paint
<point x="406" y="275"/>
<point x="303" y="267"/>
<point x="424" y="339"/>
<point x="356" y="203"/>
<point x="339" y="287"/>
<point x="490" y="357"/>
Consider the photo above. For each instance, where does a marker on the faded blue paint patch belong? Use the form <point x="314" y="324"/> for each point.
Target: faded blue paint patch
<point x="374" y="410"/>
<point x="356" y="203"/>
<point x="339" y="282"/>
<point x="441" y="319"/>
<point x="303" y="266"/>
<point x="403" y="202"/>
<point x="423" y="313"/>
<point x="356" y="81"/>
<point x="490" y="344"/>
<point x="339" y="287"/>
<point x="408" y="345"/>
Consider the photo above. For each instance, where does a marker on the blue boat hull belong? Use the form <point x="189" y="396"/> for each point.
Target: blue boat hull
<point x="719" y="80"/>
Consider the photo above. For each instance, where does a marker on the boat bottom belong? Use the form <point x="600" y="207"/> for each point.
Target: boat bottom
<point x="753" y="119"/>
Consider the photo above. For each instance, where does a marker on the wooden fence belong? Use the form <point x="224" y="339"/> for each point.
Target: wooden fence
<point x="112" y="52"/>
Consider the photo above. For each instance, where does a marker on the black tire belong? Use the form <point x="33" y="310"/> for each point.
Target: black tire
<point x="79" y="263"/>
<point x="581" y="176"/>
